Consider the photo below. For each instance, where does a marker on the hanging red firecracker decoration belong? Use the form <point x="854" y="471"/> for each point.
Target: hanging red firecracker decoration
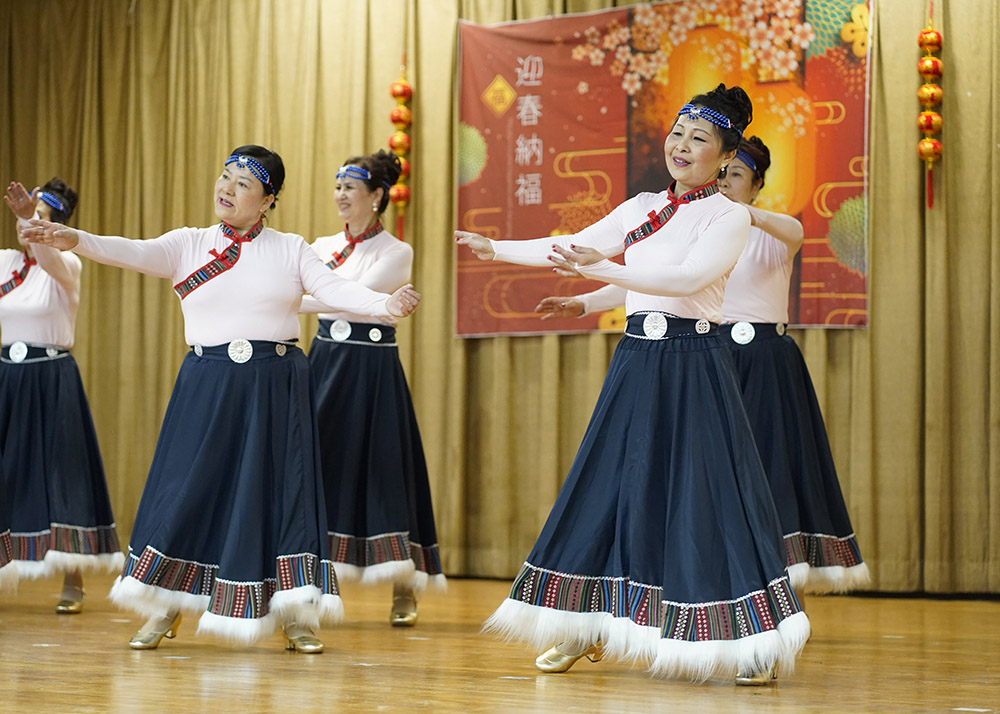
<point x="399" y="142"/>
<point x="929" y="95"/>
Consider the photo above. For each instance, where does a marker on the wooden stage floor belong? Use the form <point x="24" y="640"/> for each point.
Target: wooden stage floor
<point x="866" y="655"/>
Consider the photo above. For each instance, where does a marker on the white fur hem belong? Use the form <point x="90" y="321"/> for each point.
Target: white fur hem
<point x="57" y="561"/>
<point x="833" y="579"/>
<point x="397" y="572"/>
<point x="237" y="631"/>
<point x="624" y="640"/>
<point x="8" y="577"/>
<point x="152" y="601"/>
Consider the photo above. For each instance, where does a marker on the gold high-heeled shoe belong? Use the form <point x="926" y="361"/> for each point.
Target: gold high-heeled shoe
<point x="305" y="642"/>
<point x="71" y="605"/>
<point x="404" y="610"/>
<point x="757" y="679"/>
<point x="554" y="660"/>
<point x="149" y="635"/>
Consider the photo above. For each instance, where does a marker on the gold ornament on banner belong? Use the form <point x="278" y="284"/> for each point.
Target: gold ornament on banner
<point x="929" y="95"/>
<point x="399" y="142"/>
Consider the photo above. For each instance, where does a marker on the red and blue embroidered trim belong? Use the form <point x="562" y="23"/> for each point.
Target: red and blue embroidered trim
<point x="243" y="600"/>
<point x="65" y="539"/>
<point x="658" y="220"/>
<point x="390" y="547"/>
<point x="751" y="614"/>
<point x="6" y="549"/>
<point x="222" y="262"/>
<point x="339" y="257"/>
<point x="18" y="276"/>
<point x="821" y="551"/>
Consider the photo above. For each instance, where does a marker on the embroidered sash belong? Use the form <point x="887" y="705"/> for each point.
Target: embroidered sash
<point x="658" y="220"/>
<point x="341" y="256"/>
<point x="18" y="276"/>
<point x="222" y="261"/>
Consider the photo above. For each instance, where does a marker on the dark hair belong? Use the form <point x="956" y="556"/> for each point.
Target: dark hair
<point x="384" y="167"/>
<point x="735" y="105"/>
<point x="270" y="161"/>
<point x="761" y="155"/>
<point x="58" y="188"/>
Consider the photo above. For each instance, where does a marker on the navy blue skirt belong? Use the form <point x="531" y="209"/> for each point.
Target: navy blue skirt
<point x="8" y="571"/>
<point x="378" y="495"/>
<point x="232" y="521"/>
<point x="60" y="512"/>
<point x="664" y="543"/>
<point x="821" y="551"/>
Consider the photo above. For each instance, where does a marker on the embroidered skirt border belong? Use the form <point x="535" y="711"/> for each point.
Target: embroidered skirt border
<point x="241" y="600"/>
<point x="385" y="548"/>
<point x="755" y="612"/>
<point x="65" y="539"/>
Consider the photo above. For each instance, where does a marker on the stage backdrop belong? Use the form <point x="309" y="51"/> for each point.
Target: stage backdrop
<point x="562" y="119"/>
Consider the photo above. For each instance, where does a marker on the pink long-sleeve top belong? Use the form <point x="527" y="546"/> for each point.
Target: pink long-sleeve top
<point x="680" y="269"/>
<point x="382" y="263"/>
<point x="257" y="299"/>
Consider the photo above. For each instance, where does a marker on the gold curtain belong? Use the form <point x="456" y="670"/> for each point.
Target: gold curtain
<point x="136" y="103"/>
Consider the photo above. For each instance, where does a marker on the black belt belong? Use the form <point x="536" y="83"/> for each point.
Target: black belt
<point x="241" y="351"/>
<point x="743" y="333"/>
<point x="356" y="333"/>
<point x="20" y="352"/>
<point x="664" y="326"/>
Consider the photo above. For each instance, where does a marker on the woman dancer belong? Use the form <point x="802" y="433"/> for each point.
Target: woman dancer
<point x="60" y="514"/>
<point x="232" y="521"/>
<point x="663" y="545"/>
<point x="378" y="497"/>
<point x="822" y="553"/>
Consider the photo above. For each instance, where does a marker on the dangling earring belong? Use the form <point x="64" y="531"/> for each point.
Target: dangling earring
<point x="374" y="206"/>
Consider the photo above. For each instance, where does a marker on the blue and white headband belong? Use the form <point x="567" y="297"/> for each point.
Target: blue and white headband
<point x="52" y="201"/>
<point x="255" y="167"/>
<point x="717" y="118"/>
<point x="356" y="172"/>
<point x="748" y="160"/>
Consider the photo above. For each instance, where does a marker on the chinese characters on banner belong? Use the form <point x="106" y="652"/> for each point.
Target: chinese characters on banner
<point x="562" y="119"/>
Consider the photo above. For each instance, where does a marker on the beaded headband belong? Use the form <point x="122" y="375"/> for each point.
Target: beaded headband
<point x="352" y="171"/>
<point x="748" y="160"/>
<point x="255" y="167"/>
<point x="52" y="201"/>
<point x="717" y="118"/>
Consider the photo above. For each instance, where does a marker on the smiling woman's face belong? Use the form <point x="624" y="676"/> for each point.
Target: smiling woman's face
<point x="693" y="153"/>
<point x="240" y="200"/>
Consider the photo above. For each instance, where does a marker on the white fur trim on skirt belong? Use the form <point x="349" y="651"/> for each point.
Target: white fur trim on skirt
<point x="397" y="572"/>
<point x="57" y="561"/>
<point x="8" y="577"/>
<point x="623" y="639"/>
<point x="832" y="579"/>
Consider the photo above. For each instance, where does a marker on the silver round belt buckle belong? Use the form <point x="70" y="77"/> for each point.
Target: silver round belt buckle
<point x="198" y="350"/>
<point x="654" y="325"/>
<point x="340" y="330"/>
<point x="375" y="334"/>
<point x="51" y="352"/>
<point x="702" y="326"/>
<point x="240" y="351"/>
<point x="18" y="351"/>
<point x="743" y="333"/>
<point x="780" y="328"/>
<point x="280" y="349"/>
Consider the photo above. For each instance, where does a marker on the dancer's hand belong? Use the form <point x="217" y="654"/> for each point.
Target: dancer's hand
<point x="19" y="201"/>
<point x="52" y="234"/>
<point x="480" y="245"/>
<point x="553" y="307"/>
<point x="568" y="260"/>
<point x="403" y="302"/>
